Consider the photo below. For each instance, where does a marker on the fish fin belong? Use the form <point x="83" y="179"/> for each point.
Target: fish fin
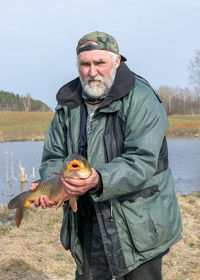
<point x="56" y="174"/>
<point x="60" y="202"/>
<point x="38" y="181"/>
<point x="19" y="215"/>
<point x="73" y="204"/>
<point x="27" y="203"/>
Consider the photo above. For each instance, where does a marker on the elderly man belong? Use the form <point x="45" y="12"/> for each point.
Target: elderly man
<point x="128" y="216"/>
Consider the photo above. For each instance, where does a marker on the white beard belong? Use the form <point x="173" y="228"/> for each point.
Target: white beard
<point x="101" y="88"/>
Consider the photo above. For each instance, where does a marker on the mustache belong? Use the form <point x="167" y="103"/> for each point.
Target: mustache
<point x="97" y="78"/>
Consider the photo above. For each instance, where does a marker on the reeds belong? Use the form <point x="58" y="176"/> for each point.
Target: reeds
<point x="22" y="174"/>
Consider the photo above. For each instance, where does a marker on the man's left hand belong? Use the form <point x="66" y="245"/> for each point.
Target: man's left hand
<point x="75" y="187"/>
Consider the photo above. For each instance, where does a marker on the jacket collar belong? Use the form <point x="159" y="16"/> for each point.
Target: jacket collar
<point x="70" y="94"/>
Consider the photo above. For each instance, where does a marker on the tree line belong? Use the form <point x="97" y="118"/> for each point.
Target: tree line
<point x="179" y="101"/>
<point x="184" y="101"/>
<point x="175" y="100"/>
<point x="15" y="102"/>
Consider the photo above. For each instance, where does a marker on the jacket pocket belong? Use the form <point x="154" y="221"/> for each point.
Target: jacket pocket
<point x="65" y="233"/>
<point x="147" y="221"/>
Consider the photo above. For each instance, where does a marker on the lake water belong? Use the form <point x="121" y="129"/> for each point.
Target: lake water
<point x="184" y="158"/>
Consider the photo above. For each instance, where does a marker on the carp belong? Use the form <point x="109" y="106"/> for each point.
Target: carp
<point x="74" y="166"/>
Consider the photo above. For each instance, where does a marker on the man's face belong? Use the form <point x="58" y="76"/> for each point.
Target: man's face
<point x="97" y="72"/>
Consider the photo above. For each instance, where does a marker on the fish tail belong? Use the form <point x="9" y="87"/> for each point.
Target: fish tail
<point x="19" y="215"/>
<point x="18" y="200"/>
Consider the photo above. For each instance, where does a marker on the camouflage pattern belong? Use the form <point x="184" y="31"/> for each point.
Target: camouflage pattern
<point x="104" y="41"/>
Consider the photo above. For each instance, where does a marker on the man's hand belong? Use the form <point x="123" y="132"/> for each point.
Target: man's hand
<point x="75" y="187"/>
<point x="72" y="188"/>
<point x="43" y="201"/>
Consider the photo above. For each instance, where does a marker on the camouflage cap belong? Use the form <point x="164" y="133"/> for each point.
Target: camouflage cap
<point x="103" y="40"/>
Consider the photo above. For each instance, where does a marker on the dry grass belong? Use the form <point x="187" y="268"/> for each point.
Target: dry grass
<point x="184" y="125"/>
<point x="23" y="126"/>
<point x="34" y="252"/>
<point x="183" y="261"/>
<point x="20" y="126"/>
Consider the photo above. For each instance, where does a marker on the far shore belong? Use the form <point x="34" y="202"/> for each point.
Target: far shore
<point x="32" y="126"/>
<point x="21" y="138"/>
<point x="41" y="138"/>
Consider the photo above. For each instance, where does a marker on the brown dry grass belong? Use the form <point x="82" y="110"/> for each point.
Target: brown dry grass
<point x="183" y="261"/>
<point x="22" y="126"/>
<point x="184" y="125"/>
<point x="34" y="252"/>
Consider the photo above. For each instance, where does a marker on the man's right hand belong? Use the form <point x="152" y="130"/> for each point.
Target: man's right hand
<point x="43" y="201"/>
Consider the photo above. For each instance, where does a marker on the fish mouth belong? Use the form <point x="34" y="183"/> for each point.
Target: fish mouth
<point x="74" y="165"/>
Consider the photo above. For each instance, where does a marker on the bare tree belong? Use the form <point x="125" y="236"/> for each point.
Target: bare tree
<point x="179" y="101"/>
<point x="194" y="68"/>
<point x="166" y="93"/>
<point x="27" y="102"/>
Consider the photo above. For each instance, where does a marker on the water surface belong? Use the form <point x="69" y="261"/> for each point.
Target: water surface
<point x="184" y="158"/>
<point x="12" y="154"/>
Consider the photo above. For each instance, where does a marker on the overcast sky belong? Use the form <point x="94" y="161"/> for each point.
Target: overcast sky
<point x="38" y="40"/>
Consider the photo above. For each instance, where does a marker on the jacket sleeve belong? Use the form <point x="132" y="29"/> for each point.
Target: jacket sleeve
<point x="55" y="147"/>
<point x="146" y="126"/>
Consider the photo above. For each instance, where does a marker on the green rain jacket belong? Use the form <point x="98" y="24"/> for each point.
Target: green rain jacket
<point x="136" y="208"/>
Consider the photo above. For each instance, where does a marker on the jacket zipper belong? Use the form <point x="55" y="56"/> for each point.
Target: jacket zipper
<point x="70" y="131"/>
<point x="111" y="218"/>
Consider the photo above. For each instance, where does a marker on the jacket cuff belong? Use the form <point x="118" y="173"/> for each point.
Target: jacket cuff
<point x="99" y="187"/>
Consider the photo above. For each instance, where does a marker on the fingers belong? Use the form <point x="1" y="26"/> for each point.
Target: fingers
<point x="49" y="203"/>
<point x="44" y="202"/>
<point x="73" y="190"/>
<point x="34" y="186"/>
<point x="90" y="180"/>
<point x="36" y="202"/>
<point x="79" y="186"/>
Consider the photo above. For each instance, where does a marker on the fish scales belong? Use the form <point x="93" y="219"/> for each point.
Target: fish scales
<point x="74" y="166"/>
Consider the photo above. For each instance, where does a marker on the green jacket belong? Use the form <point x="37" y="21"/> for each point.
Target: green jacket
<point x="137" y="210"/>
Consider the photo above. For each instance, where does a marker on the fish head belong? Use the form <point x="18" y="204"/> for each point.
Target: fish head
<point x="76" y="166"/>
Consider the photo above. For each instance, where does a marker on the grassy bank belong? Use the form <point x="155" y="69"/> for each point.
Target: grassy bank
<point x="34" y="251"/>
<point x="23" y="126"/>
<point x="184" y="126"/>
